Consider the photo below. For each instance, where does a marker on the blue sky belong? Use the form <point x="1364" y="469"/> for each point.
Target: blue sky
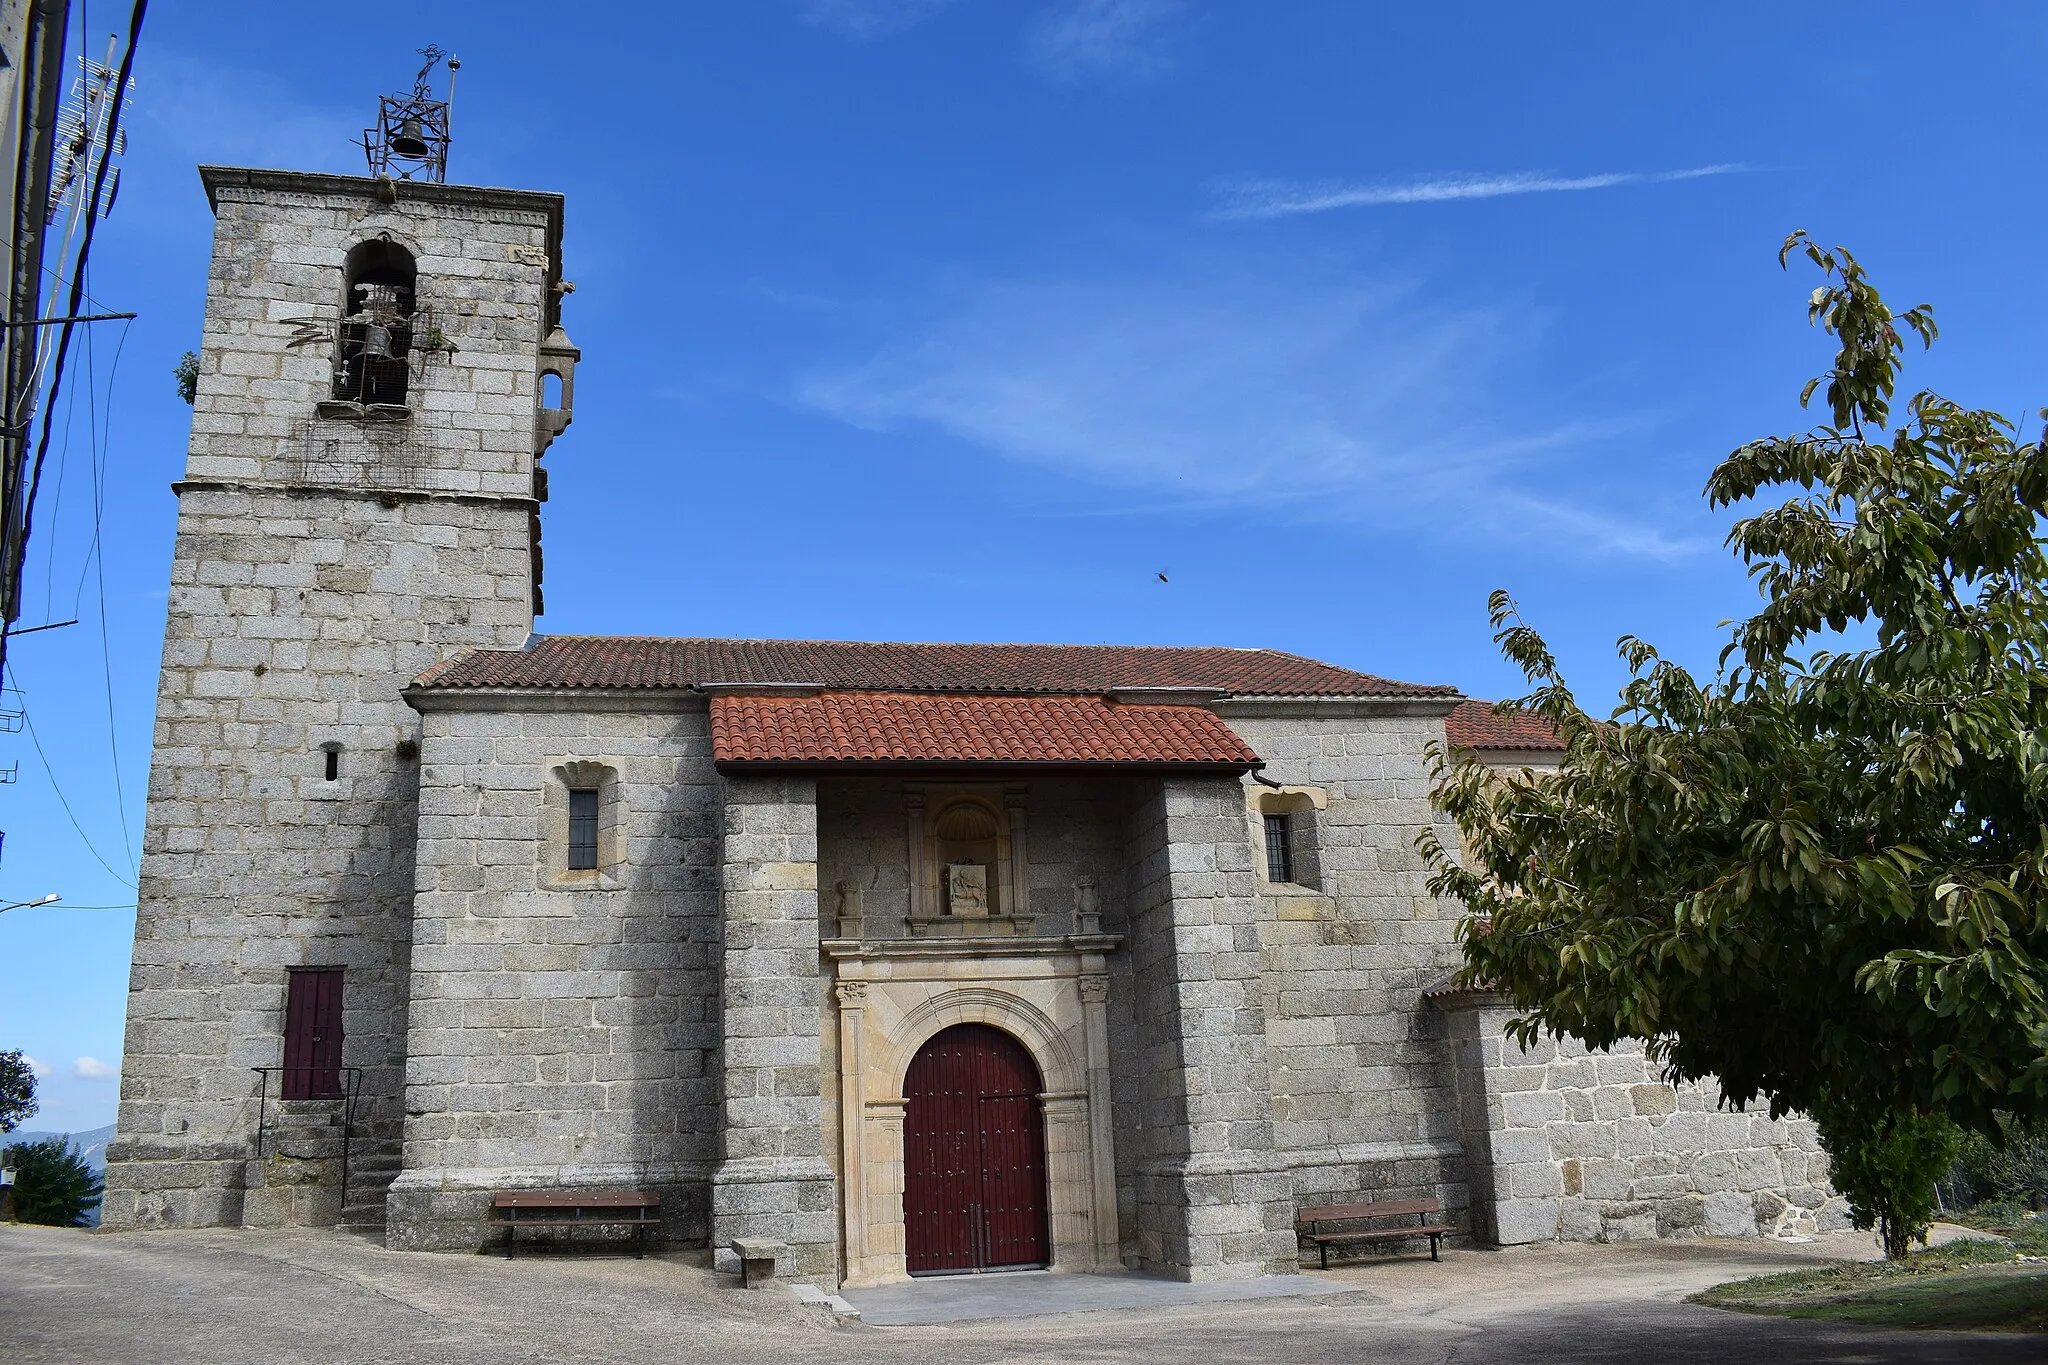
<point x="965" y="319"/>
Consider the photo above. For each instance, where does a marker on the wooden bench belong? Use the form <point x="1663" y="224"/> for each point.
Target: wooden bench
<point x="636" y="1209"/>
<point x="1310" y="1223"/>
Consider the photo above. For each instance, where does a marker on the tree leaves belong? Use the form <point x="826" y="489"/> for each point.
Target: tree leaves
<point x="1820" y="875"/>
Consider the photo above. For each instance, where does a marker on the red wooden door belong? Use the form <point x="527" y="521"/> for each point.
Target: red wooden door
<point x="312" y="1034"/>
<point x="973" y="1155"/>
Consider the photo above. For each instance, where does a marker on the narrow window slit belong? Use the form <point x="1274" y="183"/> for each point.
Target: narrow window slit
<point x="333" y="762"/>
<point x="1279" y="856"/>
<point x="582" y="829"/>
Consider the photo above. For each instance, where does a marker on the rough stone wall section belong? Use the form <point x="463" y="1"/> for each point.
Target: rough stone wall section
<point x="1075" y="831"/>
<point x="296" y="615"/>
<point x="1212" y="1199"/>
<point x="280" y="243"/>
<point x="563" y="1026"/>
<point x="774" y="1182"/>
<point x="1363" y="1102"/>
<point x="1592" y="1146"/>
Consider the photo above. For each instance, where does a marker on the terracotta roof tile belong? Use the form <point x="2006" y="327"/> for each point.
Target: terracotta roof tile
<point x="624" y="661"/>
<point x="1477" y="725"/>
<point x="907" y="727"/>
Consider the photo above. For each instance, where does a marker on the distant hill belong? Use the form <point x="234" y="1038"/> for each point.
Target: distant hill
<point x="92" y="1143"/>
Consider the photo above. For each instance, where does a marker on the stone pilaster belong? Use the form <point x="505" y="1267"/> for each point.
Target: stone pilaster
<point x="1213" y="1201"/>
<point x="774" y="1182"/>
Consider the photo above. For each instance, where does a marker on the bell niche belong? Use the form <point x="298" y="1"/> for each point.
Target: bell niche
<point x="373" y="360"/>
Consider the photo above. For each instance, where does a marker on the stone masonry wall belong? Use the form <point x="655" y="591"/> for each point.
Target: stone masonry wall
<point x="564" y="1025"/>
<point x="1075" y="831"/>
<point x="296" y="614"/>
<point x="294" y="622"/>
<point x="1591" y="1146"/>
<point x="774" y="1183"/>
<point x="1192" y="1096"/>
<point x="1364" y="1105"/>
<point x="279" y="247"/>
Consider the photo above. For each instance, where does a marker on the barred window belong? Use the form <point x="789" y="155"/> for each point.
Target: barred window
<point x="1279" y="853"/>
<point x="582" y="828"/>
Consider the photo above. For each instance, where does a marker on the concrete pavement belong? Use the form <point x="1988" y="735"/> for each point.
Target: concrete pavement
<point x="259" y="1298"/>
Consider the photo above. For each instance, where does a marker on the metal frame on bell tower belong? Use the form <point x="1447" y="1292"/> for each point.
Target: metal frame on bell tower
<point x="410" y="141"/>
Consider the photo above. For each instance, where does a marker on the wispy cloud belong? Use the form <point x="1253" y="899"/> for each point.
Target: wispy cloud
<point x="1314" y="394"/>
<point x="93" y="1069"/>
<point x="866" y="19"/>
<point x="1285" y="198"/>
<point x="36" y="1068"/>
<point x="202" y="111"/>
<point x="1116" y="41"/>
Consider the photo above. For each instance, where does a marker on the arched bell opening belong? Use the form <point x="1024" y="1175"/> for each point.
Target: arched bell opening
<point x="974" y="1156"/>
<point x="373" y="364"/>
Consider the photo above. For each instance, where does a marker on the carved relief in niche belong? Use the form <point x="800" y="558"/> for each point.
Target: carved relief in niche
<point x="967" y="890"/>
<point x="968" y="860"/>
<point x="967" y="832"/>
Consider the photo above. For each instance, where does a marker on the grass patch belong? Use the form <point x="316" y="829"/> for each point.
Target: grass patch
<point x="1974" y="1284"/>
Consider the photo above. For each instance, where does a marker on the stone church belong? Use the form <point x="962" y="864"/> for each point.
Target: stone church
<point x="912" y="957"/>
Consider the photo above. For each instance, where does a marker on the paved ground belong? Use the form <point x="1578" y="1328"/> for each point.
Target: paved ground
<point x="1036" y="1293"/>
<point x="260" y="1298"/>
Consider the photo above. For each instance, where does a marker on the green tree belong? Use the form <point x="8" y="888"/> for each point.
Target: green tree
<point x="1888" y="1165"/>
<point x="1819" y="874"/>
<point x="17" y="1090"/>
<point x="53" y="1185"/>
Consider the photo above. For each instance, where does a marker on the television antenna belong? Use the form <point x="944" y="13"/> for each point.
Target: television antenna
<point x="410" y="141"/>
<point x="82" y="142"/>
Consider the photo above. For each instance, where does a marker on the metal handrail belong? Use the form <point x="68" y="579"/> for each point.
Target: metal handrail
<point x="352" y="1088"/>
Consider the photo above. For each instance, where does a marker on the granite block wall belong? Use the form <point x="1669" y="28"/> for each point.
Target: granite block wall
<point x="1076" y="831"/>
<point x="564" y="1025"/>
<point x="1212" y="1198"/>
<point x="1580" y="1145"/>
<point x="774" y="1182"/>
<point x="298" y="610"/>
<point x="1364" y="1102"/>
<point x="484" y="276"/>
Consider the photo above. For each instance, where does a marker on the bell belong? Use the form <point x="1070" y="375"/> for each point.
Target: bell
<point x="410" y="140"/>
<point x="377" y="342"/>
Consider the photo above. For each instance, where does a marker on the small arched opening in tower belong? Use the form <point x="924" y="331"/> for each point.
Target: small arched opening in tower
<point x="374" y="364"/>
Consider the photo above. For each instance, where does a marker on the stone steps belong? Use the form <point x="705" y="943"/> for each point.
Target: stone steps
<point x="369" y="1180"/>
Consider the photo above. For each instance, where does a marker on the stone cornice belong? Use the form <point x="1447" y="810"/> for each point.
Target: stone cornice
<point x="555" y="699"/>
<point x="219" y="179"/>
<point x="308" y="490"/>
<point x="979" y="947"/>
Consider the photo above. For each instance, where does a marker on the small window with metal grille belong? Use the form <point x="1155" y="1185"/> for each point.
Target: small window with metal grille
<point x="582" y="829"/>
<point x="1279" y="852"/>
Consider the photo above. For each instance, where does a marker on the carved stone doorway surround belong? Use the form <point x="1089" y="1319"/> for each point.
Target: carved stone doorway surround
<point x="1051" y="995"/>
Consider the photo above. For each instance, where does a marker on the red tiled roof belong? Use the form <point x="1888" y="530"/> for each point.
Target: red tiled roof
<point x="625" y="661"/>
<point x="1476" y="725"/>
<point x="907" y="727"/>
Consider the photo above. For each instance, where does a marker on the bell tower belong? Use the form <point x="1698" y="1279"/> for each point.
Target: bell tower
<point x="361" y="501"/>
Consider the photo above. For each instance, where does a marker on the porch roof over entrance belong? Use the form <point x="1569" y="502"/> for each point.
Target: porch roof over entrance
<point x="855" y="728"/>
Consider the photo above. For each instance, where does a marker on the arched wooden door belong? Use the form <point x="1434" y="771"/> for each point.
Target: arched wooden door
<point x="974" y="1195"/>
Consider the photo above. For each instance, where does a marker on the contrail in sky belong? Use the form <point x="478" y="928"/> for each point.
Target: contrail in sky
<point x="1285" y="198"/>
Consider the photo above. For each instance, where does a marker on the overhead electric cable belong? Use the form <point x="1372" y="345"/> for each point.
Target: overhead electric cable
<point x="101" y="438"/>
<point x="126" y="879"/>
<point x="99" y="183"/>
<point x="56" y="510"/>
